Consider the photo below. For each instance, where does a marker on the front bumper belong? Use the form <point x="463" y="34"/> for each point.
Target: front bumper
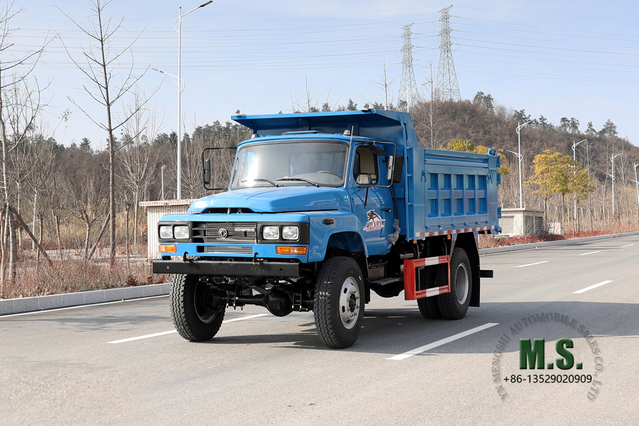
<point x="227" y="269"/>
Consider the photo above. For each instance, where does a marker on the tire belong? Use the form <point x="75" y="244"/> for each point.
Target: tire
<point x="339" y="302"/>
<point x="196" y="311"/>
<point x="429" y="307"/>
<point x="454" y="305"/>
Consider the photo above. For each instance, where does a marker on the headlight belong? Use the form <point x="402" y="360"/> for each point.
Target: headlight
<point x="166" y="232"/>
<point x="291" y="233"/>
<point x="271" y="232"/>
<point x="181" y="232"/>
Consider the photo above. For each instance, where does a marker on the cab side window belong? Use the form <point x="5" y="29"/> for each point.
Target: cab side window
<point x="365" y="167"/>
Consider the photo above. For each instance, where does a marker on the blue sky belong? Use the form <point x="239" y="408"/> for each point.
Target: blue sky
<point x="551" y="58"/>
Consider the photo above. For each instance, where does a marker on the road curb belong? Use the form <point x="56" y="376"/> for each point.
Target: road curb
<point x="65" y="300"/>
<point x="570" y="241"/>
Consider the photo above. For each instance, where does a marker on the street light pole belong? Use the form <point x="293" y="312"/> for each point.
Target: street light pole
<point x="612" y="159"/>
<point x="178" y="28"/>
<point x="574" y="159"/>
<point x="521" y="192"/>
<point x="520" y="158"/>
<point x="637" y="184"/>
<point x="162" y="173"/>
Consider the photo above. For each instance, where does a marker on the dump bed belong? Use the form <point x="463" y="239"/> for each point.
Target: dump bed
<point x="450" y="192"/>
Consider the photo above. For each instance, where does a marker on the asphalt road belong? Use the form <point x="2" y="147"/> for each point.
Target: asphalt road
<point x="122" y="363"/>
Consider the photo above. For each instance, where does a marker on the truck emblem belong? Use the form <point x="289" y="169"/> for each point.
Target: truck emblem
<point x="374" y="222"/>
<point x="223" y="233"/>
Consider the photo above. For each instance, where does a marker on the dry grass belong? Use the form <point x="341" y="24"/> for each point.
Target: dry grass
<point x="490" y="241"/>
<point x="75" y="275"/>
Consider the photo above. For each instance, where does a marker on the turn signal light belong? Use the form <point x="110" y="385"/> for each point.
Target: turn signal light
<point x="291" y="250"/>
<point x="168" y="248"/>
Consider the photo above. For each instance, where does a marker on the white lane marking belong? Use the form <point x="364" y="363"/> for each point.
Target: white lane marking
<point x="626" y="246"/>
<point x="533" y="264"/>
<point x="590" y="252"/>
<point x="131" y="339"/>
<point x="90" y="305"/>
<point x="442" y="342"/>
<point x="164" y="333"/>
<point x="244" y="318"/>
<point x="583" y="290"/>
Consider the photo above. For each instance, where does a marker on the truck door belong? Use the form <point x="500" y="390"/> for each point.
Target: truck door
<point x="372" y="204"/>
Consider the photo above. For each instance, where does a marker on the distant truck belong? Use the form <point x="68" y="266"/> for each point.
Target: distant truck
<point x="322" y="209"/>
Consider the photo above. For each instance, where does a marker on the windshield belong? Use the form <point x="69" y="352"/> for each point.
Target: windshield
<point x="316" y="163"/>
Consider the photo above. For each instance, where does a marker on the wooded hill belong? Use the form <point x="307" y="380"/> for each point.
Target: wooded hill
<point x="496" y="127"/>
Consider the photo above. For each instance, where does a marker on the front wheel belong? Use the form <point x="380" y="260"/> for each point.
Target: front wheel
<point x="197" y="311"/>
<point x="454" y="305"/>
<point x="338" y="304"/>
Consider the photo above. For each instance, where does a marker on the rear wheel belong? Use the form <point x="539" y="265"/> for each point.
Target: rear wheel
<point x="454" y="305"/>
<point x="429" y="306"/>
<point x="338" y="304"/>
<point x="196" y="310"/>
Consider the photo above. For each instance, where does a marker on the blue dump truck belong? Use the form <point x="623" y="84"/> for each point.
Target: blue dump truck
<point x="321" y="210"/>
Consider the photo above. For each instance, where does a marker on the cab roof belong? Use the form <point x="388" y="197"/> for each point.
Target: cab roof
<point x="390" y="126"/>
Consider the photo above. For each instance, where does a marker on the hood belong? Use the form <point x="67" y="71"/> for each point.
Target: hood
<point x="274" y="200"/>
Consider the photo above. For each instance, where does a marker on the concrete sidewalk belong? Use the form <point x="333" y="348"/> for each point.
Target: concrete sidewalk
<point x="54" y="301"/>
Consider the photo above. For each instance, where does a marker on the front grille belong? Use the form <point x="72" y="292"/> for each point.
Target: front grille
<point x="226" y="249"/>
<point x="224" y="232"/>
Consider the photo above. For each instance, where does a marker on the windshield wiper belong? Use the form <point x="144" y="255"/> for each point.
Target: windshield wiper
<point x="260" y="180"/>
<point x="299" y="180"/>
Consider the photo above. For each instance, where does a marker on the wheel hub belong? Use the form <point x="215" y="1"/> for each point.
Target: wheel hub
<point x="349" y="303"/>
<point x="207" y="305"/>
<point x="462" y="284"/>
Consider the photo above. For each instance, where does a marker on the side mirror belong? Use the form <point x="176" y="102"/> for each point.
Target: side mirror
<point x="395" y="168"/>
<point x="207" y="172"/>
<point x="222" y="160"/>
<point x="391" y="168"/>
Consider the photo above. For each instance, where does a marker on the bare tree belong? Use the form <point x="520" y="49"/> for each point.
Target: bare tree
<point x="43" y="169"/>
<point x="385" y="84"/>
<point x="307" y="101"/>
<point x="430" y="122"/>
<point x="85" y="188"/>
<point x="137" y="156"/>
<point x="20" y="105"/>
<point x="99" y="64"/>
<point x="192" y="164"/>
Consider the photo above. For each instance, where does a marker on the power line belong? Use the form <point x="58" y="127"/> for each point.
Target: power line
<point x="579" y="33"/>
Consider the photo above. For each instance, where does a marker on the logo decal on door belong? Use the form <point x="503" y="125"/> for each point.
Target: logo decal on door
<point x="374" y="222"/>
